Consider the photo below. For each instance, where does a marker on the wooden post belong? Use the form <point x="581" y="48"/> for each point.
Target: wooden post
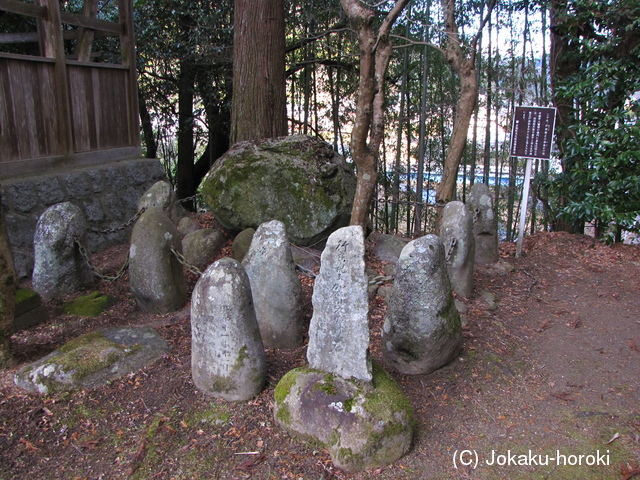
<point x="128" y="49"/>
<point x="85" y="36"/>
<point x="53" y="46"/>
<point x="523" y="207"/>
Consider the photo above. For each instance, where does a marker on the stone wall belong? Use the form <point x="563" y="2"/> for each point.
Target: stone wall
<point x="107" y="195"/>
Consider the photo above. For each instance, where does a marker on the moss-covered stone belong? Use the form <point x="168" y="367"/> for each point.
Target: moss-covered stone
<point x="362" y="425"/>
<point x="298" y="180"/>
<point x="90" y="305"/>
<point x="92" y="359"/>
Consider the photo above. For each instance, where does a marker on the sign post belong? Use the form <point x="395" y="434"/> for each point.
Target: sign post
<point x="531" y="138"/>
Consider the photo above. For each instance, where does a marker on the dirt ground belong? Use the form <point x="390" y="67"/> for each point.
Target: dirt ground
<point x="547" y="386"/>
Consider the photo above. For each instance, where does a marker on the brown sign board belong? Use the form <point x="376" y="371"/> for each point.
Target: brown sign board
<point x="532" y="132"/>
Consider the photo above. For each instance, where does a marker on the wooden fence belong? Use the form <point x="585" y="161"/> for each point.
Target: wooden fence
<point x="61" y="110"/>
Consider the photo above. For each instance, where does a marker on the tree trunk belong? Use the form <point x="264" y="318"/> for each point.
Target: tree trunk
<point x="561" y="66"/>
<point x="465" y="68"/>
<point x="258" y="108"/>
<point x="184" y="175"/>
<point x="368" y="128"/>
<point x="7" y="293"/>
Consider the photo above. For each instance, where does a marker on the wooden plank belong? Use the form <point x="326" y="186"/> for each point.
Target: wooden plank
<point x="127" y="46"/>
<point x="25" y="58"/>
<point x="8" y="147"/>
<point x="85" y="36"/>
<point x="91" y="23"/>
<point x="23" y="8"/>
<point x="23" y="37"/>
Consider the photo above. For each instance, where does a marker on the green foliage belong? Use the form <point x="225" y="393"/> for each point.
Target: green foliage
<point x="603" y="148"/>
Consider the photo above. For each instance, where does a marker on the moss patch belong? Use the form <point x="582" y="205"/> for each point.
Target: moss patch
<point x="90" y="305"/>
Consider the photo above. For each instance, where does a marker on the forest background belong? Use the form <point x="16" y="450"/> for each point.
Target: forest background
<point x="581" y="56"/>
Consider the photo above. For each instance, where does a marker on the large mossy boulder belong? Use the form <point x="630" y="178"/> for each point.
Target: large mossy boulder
<point x="363" y="425"/>
<point x="298" y="180"/>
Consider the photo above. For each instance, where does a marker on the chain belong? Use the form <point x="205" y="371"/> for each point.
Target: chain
<point x="452" y="245"/>
<point x="193" y="269"/>
<point x="476" y="214"/>
<point x="188" y="199"/>
<point x="85" y="255"/>
<point x="121" y="227"/>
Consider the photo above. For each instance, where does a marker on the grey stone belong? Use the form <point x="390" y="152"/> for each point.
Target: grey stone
<point x="93" y="359"/>
<point x="275" y="287"/>
<point x="422" y="330"/>
<point x="227" y="356"/>
<point x="77" y="185"/>
<point x="161" y="195"/>
<point x="298" y="180"/>
<point x="456" y="233"/>
<point x="490" y="299"/>
<point x="200" y="248"/>
<point x="20" y="230"/>
<point x="23" y="196"/>
<point x="306" y="257"/>
<point x="485" y="225"/>
<point x="49" y="190"/>
<point x="241" y="244"/>
<point x="387" y="247"/>
<point x="155" y="275"/>
<point x="187" y="225"/>
<point x="362" y="425"/>
<point x="339" y="329"/>
<point x="59" y="268"/>
<point x="93" y="210"/>
<point x="384" y="292"/>
<point x="97" y="180"/>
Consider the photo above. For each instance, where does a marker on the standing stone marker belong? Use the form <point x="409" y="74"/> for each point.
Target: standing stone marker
<point x="161" y="195"/>
<point x="485" y="227"/>
<point x="275" y="286"/>
<point x="155" y="275"/>
<point x="422" y="330"/>
<point x="227" y="356"/>
<point x="339" y="329"/>
<point x="456" y="233"/>
<point x="59" y="268"/>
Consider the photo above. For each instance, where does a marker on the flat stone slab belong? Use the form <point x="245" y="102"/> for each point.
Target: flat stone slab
<point x="93" y="359"/>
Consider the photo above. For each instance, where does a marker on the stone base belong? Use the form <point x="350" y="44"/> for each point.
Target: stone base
<point x="363" y="425"/>
<point x="107" y="195"/>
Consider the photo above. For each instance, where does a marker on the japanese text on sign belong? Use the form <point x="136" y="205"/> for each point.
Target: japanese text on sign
<point x="533" y="132"/>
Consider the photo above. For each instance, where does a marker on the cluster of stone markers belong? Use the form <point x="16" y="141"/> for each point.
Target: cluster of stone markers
<point x="342" y="399"/>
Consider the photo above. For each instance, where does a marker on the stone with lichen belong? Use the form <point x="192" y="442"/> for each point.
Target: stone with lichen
<point x="422" y="330"/>
<point x="59" y="267"/>
<point x="227" y="356"/>
<point x="298" y="180"/>
<point x="363" y="425"/>
<point x="275" y="287"/>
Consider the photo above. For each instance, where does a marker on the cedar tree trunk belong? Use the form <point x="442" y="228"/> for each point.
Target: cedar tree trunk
<point x="258" y="106"/>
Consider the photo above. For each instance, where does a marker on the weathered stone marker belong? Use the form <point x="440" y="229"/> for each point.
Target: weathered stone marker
<point x="275" y="286"/>
<point x="155" y="274"/>
<point x="339" y="329"/>
<point x="422" y="329"/>
<point x="59" y="268"/>
<point x="227" y="356"/>
<point x="456" y="233"/>
<point x="485" y="227"/>
<point x="161" y="195"/>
